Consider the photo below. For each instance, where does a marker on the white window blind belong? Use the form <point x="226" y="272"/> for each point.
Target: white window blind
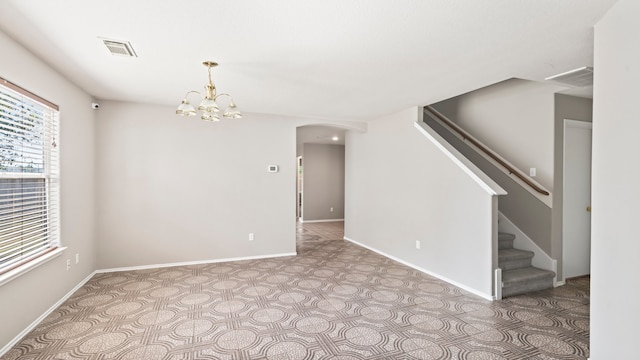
<point x="29" y="177"/>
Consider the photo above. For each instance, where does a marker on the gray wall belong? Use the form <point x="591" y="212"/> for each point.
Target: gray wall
<point x="566" y="107"/>
<point x="515" y="119"/>
<point x="526" y="211"/>
<point x="141" y="186"/>
<point x="175" y="189"/>
<point x="615" y="244"/>
<point x="401" y="188"/>
<point x="542" y="224"/>
<point x="323" y="182"/>
<point x="27" y="297"/>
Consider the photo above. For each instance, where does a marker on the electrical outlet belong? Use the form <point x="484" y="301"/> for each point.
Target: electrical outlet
<point x="251" y="237"/>
<point x="331" y="209"/>
<point x="77" y="258"/>
<point x="68" y="264"/>
<point x="418" y="244"/>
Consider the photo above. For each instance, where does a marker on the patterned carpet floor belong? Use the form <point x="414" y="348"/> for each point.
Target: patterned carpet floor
<point x="335" y="300"/>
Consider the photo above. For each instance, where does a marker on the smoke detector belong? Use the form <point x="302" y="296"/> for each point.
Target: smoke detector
<point x="119" y="48"/>
<point x="581" y="77"/>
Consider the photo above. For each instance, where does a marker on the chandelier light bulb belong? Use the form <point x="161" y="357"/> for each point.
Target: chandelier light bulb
<point x="208" y="104"/>
<point x="232" y="111"/>
<point x="185" y="108"/>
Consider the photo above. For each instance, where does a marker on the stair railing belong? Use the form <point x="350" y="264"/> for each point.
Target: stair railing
<point x="491" y="154"/>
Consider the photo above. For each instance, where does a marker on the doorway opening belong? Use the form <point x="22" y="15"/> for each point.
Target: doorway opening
<point x="320" y="161"/>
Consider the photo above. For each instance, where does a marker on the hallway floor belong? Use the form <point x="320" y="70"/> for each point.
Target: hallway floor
<point x="335" y="300"/>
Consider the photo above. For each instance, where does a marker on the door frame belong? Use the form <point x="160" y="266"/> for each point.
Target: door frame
<point x="299" y="185"/>
<point x="568" y="123"/>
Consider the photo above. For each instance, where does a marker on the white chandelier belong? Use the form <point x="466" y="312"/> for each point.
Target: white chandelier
<point x="208" y="106"/>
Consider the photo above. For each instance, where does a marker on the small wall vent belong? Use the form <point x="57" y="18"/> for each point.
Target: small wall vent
<point x="580" y="77"/>
<point x="119" y="48"/>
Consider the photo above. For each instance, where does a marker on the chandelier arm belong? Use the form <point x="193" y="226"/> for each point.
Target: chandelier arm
<point x="223" y="94"/>
<point x="190" y="92"/>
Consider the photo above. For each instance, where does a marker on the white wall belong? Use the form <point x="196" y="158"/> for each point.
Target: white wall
<point x="515" y="119"/>
<point x="615" y="244"/>
<point x="323" y="182"/>
<point x="401" y="188"/>
<point x="175" y="189"/>
<point x="25" y="298"/>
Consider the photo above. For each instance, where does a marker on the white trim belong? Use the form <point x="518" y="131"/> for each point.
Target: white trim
<point x="319" y="221"/>
<point x="490" y="186"/>
<point x="570" y="72"/>
<point x="37" y="321"/>
<point x="464" y="287"/>
<point x="299" y="186"/>
<point x="14" y="175"/>
<point x="498" y="283"/>
<point x="187" y="263"/>
<point x="23" y="269"/>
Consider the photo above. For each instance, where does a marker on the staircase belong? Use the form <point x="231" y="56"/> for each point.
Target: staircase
<point x="518" y="276"/>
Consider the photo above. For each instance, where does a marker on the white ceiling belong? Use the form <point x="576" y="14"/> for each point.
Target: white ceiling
<point x="332" y="59"/>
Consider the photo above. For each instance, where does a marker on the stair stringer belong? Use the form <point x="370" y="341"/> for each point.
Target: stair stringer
<point x="522" y="242"/>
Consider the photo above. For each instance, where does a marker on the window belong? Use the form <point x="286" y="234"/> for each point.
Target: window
<point x="29" y="177"/>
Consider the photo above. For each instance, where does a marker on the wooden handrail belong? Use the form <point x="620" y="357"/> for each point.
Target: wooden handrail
<point x="491" y="154"/>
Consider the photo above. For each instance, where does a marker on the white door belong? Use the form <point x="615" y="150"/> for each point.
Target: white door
<point x="576" y="211"/>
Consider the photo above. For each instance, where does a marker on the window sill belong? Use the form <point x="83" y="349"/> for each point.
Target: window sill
<point x="17" y="272"/>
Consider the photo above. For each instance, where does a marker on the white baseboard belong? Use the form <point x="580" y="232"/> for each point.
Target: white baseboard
<point x="464" y="287"/>
<point x="319" y="221"/>
<point x="187" y="263"/>
<point x="37" y="321"/>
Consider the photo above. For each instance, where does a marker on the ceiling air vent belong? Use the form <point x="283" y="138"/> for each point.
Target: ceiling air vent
<point x="120" y="48"/>
<point x="580" y="77"/>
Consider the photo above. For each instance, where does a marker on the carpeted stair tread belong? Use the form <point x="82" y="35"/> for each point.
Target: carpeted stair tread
<point x="514" y="254"/>
<point x="505" y="240"/>
<point x="525" y="274"/>
<point x="505" y="236"/>
<point x="509" y="259"/>
<point x="525" y="280"/>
